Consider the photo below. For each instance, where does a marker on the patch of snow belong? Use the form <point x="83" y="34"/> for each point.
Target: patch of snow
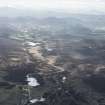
<point x="32" y="81"/>
<point x="32" y="44"/>
<point x="64" y="79"/>
<point x="37" y="100"/>
<point x="42" y="99"/>
<point x="34" y="100"/>
<point x="49" y="49"/>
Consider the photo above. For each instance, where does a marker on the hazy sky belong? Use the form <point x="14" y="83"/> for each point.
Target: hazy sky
<point x="65" y="5"/>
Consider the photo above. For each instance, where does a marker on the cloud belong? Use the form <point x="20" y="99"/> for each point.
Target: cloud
<point x="66" y="5"/>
